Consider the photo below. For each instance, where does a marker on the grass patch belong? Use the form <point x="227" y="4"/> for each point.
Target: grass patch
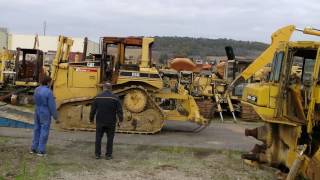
<point x="233" y="155"/>
<point x="75" y="160"/>
<point x="4" y="140"/>
<point x="41" y="170"/>
<point x="175" y="150"/>
<point x="29" y="167"/>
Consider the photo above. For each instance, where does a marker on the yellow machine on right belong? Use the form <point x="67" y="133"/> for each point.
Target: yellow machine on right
<point x="288" y="104"/>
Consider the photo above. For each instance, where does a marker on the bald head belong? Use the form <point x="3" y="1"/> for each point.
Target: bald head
<point x="107" y="87"/>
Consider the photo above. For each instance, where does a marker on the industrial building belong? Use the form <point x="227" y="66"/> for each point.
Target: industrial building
<point x="3" y="37"/>
<point x="12" y="41"/>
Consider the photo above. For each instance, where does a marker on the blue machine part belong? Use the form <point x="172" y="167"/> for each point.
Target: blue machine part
<point x="4" y="122"/>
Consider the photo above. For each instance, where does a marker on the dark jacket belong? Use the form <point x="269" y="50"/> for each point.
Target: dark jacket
<point x="106" y="106"/>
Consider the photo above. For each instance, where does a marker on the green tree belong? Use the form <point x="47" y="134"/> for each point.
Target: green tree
<point x="163" y="58"/>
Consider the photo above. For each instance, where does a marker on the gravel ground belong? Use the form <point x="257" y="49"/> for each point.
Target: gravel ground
<point x="175" y="153"/>
<point x="217" y="136"/>
<point x="74" y="160"/>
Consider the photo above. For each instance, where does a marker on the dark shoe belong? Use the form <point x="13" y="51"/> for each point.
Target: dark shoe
<point x="98" y="156"/>
<point x="41" y="154"/>
<point x="108" y="157"/>
<point x="33" y="151"/>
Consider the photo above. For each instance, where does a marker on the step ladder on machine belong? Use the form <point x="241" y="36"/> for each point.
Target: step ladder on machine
<point x="221" y="97"/>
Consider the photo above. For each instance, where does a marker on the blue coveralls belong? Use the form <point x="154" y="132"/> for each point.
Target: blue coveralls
<point x="45" y="108"/>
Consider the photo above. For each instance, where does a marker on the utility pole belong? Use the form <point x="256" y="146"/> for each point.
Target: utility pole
<point x="44" y="27"/>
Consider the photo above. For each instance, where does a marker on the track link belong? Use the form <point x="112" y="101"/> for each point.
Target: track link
<point x="152" y="109"/>
<point x="75" y="115"/>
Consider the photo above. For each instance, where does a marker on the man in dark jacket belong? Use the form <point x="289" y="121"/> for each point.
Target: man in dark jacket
<point x="106" y="107"/>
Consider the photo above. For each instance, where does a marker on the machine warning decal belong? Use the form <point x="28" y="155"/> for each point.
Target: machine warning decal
<point x="252" y="98"/>
<point x="85" y="69"/>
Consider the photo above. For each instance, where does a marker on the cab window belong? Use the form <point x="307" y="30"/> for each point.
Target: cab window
<point x="308" y="71"/>
<point x="276" y="67"/>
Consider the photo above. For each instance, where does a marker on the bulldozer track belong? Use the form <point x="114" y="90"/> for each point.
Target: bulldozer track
<point x="205" y="107"/>
<point x="119" y="92"/>
<point x="151" y="103"/>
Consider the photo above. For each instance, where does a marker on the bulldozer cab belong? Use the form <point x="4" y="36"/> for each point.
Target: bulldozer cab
<point x="28" y="67"/>
<point x="288" y="104"/>
<point x="129" y="53"/>
<point x="290" y="94"/>
<point x="170" y="79"/>
<point x="128" y="61"/>
<point x="186" y="79"/>
<point x="296" y="69"/>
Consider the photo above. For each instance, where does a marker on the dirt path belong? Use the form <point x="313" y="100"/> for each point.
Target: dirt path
<point x="217" y="136"/>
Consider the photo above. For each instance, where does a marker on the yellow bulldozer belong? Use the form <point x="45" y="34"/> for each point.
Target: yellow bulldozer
<point x="288" y="103"/>
<point x="183" y="72"/>
<point x="146" y="102"/>
<point x="20" y="74"/>
<point x="6" y="68"/>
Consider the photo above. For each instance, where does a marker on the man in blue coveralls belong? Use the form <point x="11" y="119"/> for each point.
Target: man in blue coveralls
<point x="45" y="109"/>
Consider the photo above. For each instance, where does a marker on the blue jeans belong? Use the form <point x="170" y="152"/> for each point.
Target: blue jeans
<point x="42" y="122"/>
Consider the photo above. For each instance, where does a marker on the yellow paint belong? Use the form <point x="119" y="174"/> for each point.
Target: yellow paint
<point x="317" y="94"/>
<point x="5" y="56"/>
<point x="155" y="82"/>
<point x="74" y="83"/>
<point x="27" y="84"/>
<point x="145" y="57"/>
<point x="81" y="78"/>
<point x="69" y="83"/>
<point x="281" y="35"/>
<point x="203" y="84"/>
<point x="271" y="102"/>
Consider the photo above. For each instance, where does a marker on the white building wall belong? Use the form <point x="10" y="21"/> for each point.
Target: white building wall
<point x="3" y="38"/>
<point x="48" y="43"/>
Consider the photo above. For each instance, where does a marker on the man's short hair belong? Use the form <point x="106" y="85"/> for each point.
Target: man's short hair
<point x="107" y="87"/>
<point x="46" y="80"/>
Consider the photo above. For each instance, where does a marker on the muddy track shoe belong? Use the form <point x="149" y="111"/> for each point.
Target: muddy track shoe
<point x="147" y="119"/>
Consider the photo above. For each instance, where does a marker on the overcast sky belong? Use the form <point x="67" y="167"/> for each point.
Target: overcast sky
<point x="251" y="20"/>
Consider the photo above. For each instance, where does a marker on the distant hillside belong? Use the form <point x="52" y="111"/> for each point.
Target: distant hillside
<point x="186" y="46"/>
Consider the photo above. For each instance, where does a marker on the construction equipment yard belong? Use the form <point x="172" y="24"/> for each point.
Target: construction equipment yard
<point x="231" y="120"/>
<point x="169" y="130"/>
<point x="175" y="153"/>
<point x="160" y="90"/>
